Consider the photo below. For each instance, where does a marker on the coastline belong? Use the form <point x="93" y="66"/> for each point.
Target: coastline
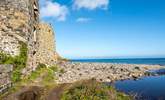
<point x="102" y="72"/>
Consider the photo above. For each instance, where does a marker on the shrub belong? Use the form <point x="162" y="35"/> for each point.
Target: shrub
<point x="19" y="62"/>
<point x="49" y="77"/>
<point x="54" y="68"/>
<point x="91" y="90"/>
<point x="16" y="75"/>
<point x="41" y="65"/>
<point x="62" y="71"/>
<point x="6" y="59"/>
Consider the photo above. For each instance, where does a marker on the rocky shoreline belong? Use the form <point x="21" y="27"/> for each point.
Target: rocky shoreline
<point x="103" y="72"/>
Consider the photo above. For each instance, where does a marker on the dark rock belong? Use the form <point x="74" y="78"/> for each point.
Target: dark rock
<point x="137" y="68"/>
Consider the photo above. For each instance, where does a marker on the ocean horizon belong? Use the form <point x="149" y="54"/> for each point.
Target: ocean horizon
<point x="150" y="61"/>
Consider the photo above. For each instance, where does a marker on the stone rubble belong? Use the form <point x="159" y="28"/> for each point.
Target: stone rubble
<point x="103" y="72"/>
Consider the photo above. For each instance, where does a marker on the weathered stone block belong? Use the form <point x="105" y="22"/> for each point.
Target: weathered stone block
<point x="6" y="68"/>
<point x="5" y="78"/>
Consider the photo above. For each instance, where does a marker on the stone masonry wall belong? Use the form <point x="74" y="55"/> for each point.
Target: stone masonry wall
<point x="19" y="22"/>
<point x="33" y="40"/>
<point x="46" y="52"/>
<point x="5" y="77"/>
<point x="13" y="26"/>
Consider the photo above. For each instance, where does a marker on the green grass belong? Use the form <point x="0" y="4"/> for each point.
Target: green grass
<point x="62" y="71"/>
<point x="19" y="62"/>
<point x="46" y="74"/>
<point x="92" y="90"/>
<point x="54" y="68"/>
<point x="121" y="96"/>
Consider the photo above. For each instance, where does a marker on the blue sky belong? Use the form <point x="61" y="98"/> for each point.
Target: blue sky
<point x="107" y="28"/>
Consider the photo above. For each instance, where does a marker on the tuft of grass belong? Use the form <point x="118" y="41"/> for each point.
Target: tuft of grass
<point x="41" y="65"/>
<point x="6" y="59"/>
<point x="54" y="68"/>
<point x="62" y="71"/>
<point x="49" y="77"/>
<point x="16" y="75"/>
<point x="122" y="96"/>
<point x="46" y="74"/>
<point x="19" y="62"/>
<point x="92" y="90"/>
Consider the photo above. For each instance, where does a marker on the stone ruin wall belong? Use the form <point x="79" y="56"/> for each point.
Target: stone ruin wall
<point x="5" y="77"/>
<point x="13" y="26"/>
<point x="18" y="22"/>
<point x="46" y="53"/>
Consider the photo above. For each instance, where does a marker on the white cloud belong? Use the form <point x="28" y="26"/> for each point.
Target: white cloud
<point x="53" y="10"/>
<point x="91" y="4"/>
<point x="83" y="20"/>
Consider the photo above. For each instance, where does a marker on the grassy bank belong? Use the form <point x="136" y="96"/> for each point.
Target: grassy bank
<point x="43" y="77"/>
<point x="19" y="62"/>
<point x="92" y="90"/>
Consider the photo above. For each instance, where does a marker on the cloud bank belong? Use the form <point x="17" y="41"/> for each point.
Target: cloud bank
<point x="90" y="4"/>
<point x="51" y="9"/>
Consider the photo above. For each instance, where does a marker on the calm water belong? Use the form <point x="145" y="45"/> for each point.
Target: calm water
<point x="148" y="88"/>
<point x="153" y="61"/>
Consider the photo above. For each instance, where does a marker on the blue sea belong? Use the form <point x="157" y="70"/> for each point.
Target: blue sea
<point x="146" y="88"/>
<point x="151" y="61"/>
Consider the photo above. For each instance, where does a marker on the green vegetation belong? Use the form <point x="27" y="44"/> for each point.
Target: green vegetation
<point x="19" y="62"/>
<point x="6" y="59"/>
<point x="43" y="72"/>
<point x="54" y="68"/>
<point x="62" y="71"/>
<point x="92" y="90"/>
<point x="43" y="76"/>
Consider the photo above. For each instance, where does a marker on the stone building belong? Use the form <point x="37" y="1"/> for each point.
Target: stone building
<point x="19" y="21"/>
<point x="46" y="47"/>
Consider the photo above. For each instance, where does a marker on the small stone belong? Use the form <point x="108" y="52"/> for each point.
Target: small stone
<point x="80" y="74"/>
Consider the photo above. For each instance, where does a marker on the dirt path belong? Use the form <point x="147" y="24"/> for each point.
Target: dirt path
<point x="37" y="93"/>
<point x="26" y="93"/>
<point x="56" y="93"/>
